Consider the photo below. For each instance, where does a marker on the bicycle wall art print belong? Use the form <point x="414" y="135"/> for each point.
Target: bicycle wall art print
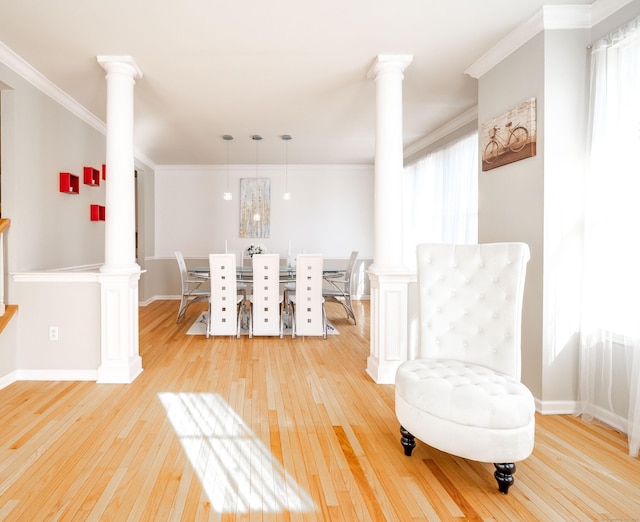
<point x="509" y="137"/>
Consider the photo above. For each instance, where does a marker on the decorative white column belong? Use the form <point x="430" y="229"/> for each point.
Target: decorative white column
<point x="121" y="361"/>
<point x="388" y="275"/>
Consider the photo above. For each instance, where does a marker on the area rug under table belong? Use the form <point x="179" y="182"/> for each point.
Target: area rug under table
<point x="199" y="327"/>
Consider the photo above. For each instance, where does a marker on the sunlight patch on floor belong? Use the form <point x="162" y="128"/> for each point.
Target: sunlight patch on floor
<point x="236" y="470"/>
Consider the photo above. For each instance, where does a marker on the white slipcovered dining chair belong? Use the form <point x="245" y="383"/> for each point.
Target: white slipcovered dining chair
<point x="306" y="302"/>
<point x="192" y="291"/>
<point x="239" y="255"/>
<point x="265" y="311"/>
<point x="462" y="394"/>
<point x="225" y="301"/>
<point x="339" y="288"/>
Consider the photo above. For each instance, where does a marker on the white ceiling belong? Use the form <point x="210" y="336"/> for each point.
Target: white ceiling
<point x="255" y="67"/>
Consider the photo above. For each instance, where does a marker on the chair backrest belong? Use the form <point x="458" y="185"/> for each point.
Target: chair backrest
<point x="183" y="271"/>
<point x="470" y="303"/>
<point x="265" y="308"/>
<point x="351" y="268"/>
<point x="223" y="301"/>
<point x="239" y="254"/>
<point x="309" y="301"/>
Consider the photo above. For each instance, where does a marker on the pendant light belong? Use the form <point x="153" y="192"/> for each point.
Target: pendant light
<point x="286" y="138"/>
<point x="256" y="138"/>
<point x="227" y="195"/>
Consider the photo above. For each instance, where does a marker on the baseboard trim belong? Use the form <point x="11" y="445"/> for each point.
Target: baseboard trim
<point x="603" y="415"/>
<point x="609" y="418"/>
<point x="8" y="379"/>
<point x="557" y="407"/>
<point x="56" y="375"/>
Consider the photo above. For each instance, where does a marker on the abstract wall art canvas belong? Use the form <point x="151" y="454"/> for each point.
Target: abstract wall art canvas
<point x="255" y="207"/>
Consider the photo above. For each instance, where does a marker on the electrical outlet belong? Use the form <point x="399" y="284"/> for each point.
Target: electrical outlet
<point x="53" y="333"/>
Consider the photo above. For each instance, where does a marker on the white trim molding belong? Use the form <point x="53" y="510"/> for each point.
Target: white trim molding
<point x="25" y="70"/>
<point x="549" y="17"/>
<point x="48" y="375"/>
<point x="40" y="82"/>
<point x="568" y="407"/>
<point x="458" y="122"/>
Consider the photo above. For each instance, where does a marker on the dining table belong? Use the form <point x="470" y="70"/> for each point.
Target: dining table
<point x="287" y="273"/>
<point x="244" y="276"/>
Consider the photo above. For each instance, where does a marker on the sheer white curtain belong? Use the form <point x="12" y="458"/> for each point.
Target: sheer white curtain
<point x="610" y="329"/>
<point x="440" y="193"/>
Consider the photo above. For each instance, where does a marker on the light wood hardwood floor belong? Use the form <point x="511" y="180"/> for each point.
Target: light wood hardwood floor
<point x="269" y="429"/>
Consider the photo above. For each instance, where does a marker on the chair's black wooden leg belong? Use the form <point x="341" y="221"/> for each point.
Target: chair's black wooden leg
<point x="504" y="475"/>
<point x="408" y="441"/>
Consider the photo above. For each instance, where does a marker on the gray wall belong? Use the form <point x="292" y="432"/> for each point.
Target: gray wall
<point x="51" y="242"/>
<point x="330" y="210"/>
<point x="511" y="202"/>
<point x="538" y="200"/>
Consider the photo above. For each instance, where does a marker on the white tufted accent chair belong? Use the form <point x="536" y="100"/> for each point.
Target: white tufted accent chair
<point x="463" y="394"/>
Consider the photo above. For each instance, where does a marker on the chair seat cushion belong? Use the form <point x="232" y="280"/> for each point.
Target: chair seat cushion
<point x="465" y="393"/>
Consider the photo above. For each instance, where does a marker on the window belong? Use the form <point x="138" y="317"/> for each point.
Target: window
<point x="440" y="193"/>
<point x="612" y="214"/>
<point x="610" y="325"/>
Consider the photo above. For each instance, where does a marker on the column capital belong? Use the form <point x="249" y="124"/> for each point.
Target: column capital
<point x="125" y="64"/>
<point x="389" y="63"/>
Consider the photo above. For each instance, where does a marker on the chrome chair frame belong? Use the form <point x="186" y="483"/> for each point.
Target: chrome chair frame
<point x="340" y="290"/>
<point x="191" y="287"/>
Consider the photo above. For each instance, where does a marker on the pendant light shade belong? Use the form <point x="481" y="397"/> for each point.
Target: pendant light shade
<point x="227" y="195"/>
<point x="257" y="138"/>
<point x="286" y="138"/>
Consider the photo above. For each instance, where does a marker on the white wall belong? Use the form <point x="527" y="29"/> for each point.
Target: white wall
<point x="538" y="200"/>
<point x="42" y="140"/>
<point x="511" y="203"/>
<point x="330" y="210"/>
<point x="69" y="302"/>
<point x="49" y="230"/>
<point x="565" y="128"/>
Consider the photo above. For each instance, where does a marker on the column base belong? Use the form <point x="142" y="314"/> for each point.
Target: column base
<point x="389" y="324"/>
<point x="120" y="374"/>
<point x="120" y="359"/>
<point x="382" y="372"/>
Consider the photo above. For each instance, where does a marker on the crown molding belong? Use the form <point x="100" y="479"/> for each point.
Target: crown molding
<point x="445" y="130"/>
<point x="549" y="17"/>
<point x="26" y="71"/>
<point x="268" y="169"/>
<point x="22" y="68"/>
<point x="601" y="9"/>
